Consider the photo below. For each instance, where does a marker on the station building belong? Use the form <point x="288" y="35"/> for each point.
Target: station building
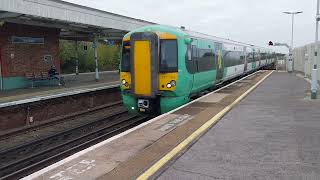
<point x="30" y="32"/>
<point x="25" y="50"/>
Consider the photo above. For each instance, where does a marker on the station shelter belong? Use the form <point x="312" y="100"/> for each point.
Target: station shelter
<point x="26" y="51"/>
<point x="30" y="32"/>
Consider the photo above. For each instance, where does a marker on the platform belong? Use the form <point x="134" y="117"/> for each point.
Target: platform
<point x="75" y="84"/>
<point x="272" y="133"/>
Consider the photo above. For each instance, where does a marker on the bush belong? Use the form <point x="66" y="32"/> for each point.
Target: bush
<point x="108" y="57"/>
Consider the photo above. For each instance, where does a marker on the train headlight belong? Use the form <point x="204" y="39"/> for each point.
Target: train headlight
<point x="169" y="85"/>
<point x="124" y="83"/>
<point x="173" y="83"/>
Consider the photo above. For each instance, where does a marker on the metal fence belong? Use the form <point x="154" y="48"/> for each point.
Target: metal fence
<point x="303" y="59"/>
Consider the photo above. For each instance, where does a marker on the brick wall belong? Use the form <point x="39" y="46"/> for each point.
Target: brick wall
<point x="18" y="59"/>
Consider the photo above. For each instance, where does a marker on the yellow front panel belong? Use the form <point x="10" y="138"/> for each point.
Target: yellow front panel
<point x="127" y="77"/>
<point x="163" y="35"/>
<point x="142" y="68"/>
<point x="165" y="78"/>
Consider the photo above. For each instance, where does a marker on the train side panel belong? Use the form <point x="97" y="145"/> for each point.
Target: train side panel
<point x="204" y="63"/>
<point x="172" y="100"/>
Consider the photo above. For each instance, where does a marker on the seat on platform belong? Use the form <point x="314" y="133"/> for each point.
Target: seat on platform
<point x="40" y="77"/>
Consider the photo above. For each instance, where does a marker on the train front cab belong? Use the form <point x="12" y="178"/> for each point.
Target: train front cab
<point x="149" y="72"/>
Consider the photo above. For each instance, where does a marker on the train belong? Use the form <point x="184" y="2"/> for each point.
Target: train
<point x="164" y="67"/>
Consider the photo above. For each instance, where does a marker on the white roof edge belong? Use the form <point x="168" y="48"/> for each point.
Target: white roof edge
<point x="73" y="13"/>
<point x="222" y="40"/>
<point x="99" y="10"/>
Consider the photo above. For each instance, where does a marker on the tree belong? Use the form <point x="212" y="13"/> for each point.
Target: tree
<point x="108" y="56"/>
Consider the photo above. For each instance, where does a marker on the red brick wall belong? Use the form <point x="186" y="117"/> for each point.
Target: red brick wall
<point x="27" y="57"/>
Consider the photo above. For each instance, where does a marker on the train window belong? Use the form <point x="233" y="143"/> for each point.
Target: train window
<point x="189" y="54"/>
<point x="233" y="58"/>
<point x="125" y="60"/>
<point x="250" y="57"/>
<point x="189" y="61"/>
<point x="194" y="52"/>
<point x="168" y="56"/>
<point x="206" y="60"/>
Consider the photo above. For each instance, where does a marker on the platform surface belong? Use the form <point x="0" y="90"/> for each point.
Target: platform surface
<point x="274" y="133"/>
<point x="127" y="155"/>
<point x="74" y="83"/>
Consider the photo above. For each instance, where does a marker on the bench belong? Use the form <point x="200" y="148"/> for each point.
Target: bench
<point x="43" y="76"/>
<point x="30" y="77"/>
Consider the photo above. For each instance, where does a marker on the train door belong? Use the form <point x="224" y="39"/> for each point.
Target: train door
<point x="144" y="59"/>
<point x="194" y="55"/>
<point x="245" y="58"/>
<point x="254" y="59"/>
<point x="190" y="67"/>
<point x="260" y="63"/>
<point x="219" y="62"/>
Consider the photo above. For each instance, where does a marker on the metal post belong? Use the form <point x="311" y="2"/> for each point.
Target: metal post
<point x="314" y="75"/>
<point x="96" y="57"/>
<point x="306" y="57"/>
<point x="292" y="31"/>
<point x="77" y="58"/>
<point x="290" y="61"/>
<point x="291" y="49"/>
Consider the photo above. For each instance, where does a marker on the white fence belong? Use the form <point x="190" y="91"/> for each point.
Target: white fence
<point x="303" y="59"/>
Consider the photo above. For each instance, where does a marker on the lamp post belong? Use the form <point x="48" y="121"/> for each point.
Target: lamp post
<point x="314" y="75"/>
<point x="290" y="63"/>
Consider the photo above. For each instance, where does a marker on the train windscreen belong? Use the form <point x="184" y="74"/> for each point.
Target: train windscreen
<point x="168" y="56"/>
<point x="125" y="61"/>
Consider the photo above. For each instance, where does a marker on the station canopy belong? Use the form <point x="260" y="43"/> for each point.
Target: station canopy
<point x="76" y="22"/>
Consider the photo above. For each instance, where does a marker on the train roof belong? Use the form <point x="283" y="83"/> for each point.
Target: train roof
<point x="223" y="40"/>
<point x="184" y="32"/>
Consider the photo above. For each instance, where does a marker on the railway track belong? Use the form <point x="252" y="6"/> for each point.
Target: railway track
<point x="55" y="121"/>
<point x="26" y="158"/>
<point x="44" y="109"/>
<point x="32" y="156"/>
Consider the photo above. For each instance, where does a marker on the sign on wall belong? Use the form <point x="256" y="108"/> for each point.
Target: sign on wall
<point x="26" y="40"/>
<point x="48" y="59"/>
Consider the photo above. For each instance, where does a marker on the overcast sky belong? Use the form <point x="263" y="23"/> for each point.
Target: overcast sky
<point x="251" y="21"/>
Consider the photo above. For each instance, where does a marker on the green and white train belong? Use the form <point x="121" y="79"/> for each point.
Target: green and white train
<point x="163" y="67"/>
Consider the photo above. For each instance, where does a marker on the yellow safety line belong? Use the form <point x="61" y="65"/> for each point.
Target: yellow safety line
<point x="154" y="168"/>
